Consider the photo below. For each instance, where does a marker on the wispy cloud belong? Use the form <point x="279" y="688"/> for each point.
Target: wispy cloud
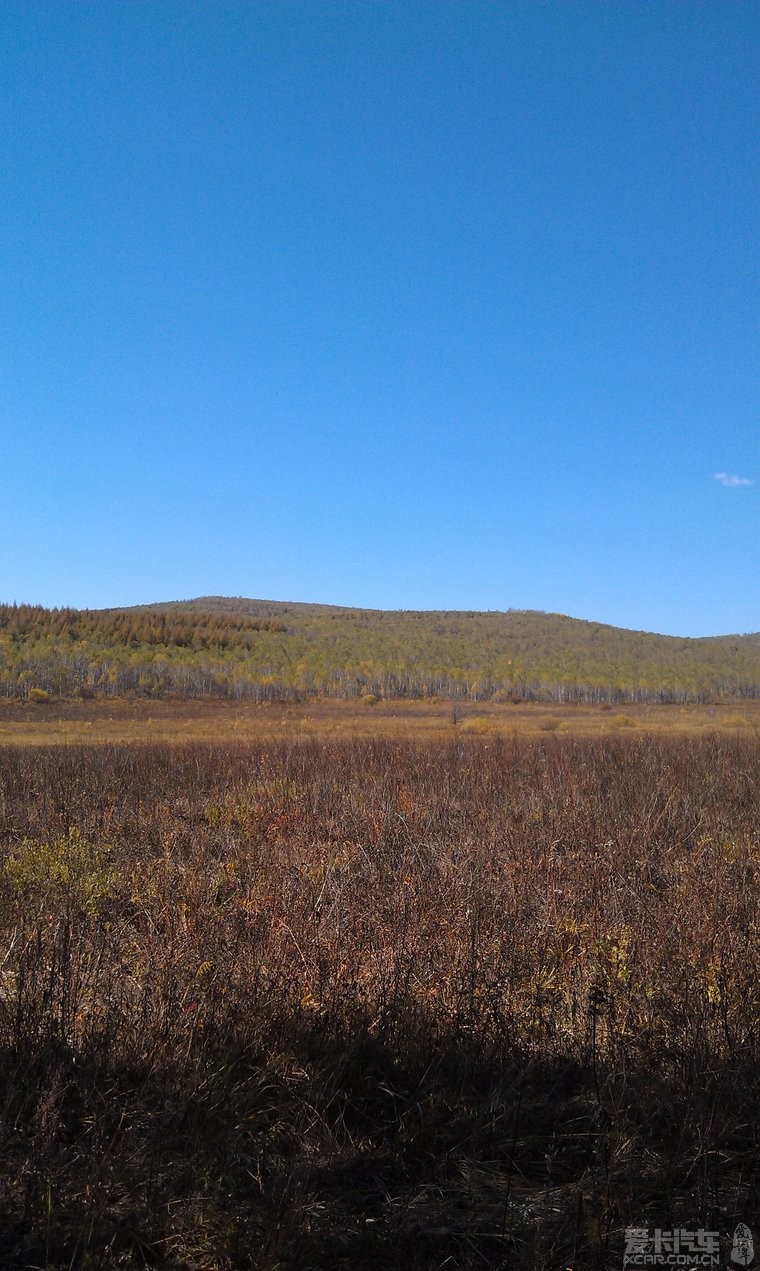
<point x="726" y="479"/>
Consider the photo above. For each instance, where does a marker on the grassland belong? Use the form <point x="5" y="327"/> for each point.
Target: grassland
<point x="463" y="998"/>
<point x="113" y="719"/>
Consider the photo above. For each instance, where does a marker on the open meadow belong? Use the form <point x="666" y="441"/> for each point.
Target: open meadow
<point x="68" y="720"/>
<point x="483" y="995"/>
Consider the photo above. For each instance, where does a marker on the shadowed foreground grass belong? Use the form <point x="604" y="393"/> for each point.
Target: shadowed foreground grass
<point x="480" y="1002"/>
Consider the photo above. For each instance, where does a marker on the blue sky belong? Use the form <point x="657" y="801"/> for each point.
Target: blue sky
<point x="403" y="305"/>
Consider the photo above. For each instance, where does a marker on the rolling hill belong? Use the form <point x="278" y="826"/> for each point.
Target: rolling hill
<point x="261" y="649"/>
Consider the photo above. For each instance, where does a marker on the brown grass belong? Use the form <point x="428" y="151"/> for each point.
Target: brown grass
<point x="477" y="1002"/>
<point x="140" y="719"/>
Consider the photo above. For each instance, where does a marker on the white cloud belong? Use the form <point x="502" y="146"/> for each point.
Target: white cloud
<point x="725" y="479"/>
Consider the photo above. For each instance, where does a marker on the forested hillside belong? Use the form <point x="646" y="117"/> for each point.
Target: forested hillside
<point x="229" y="647"/>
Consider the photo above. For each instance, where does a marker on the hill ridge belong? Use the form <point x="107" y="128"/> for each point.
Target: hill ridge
<point x="212" y="604"/>
<point x="245" y="648"/>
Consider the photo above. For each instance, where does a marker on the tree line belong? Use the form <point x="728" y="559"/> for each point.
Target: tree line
<point x="302" y="652"/>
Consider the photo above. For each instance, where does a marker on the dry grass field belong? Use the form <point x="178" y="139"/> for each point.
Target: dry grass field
<point x="454" y="999"/>
<point x="140" y="719"/>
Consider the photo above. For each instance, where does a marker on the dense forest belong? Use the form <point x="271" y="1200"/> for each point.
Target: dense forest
<point x="263" y="650"/>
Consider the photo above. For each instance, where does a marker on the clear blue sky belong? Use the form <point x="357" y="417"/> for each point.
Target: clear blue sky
<point x="404" y="305"/>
